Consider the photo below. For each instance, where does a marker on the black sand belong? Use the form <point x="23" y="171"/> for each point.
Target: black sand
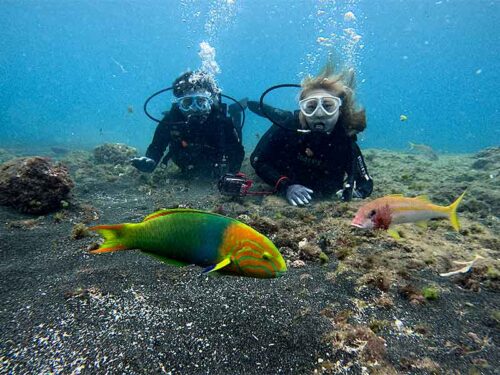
<point x="65" y="311"/>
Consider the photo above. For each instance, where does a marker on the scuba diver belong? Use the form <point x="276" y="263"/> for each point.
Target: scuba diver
<point x="314" y="149"/>
<point x="201" y="139"/>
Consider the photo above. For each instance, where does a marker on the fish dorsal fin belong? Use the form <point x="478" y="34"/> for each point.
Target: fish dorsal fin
<point x="223" y="263"/>
<point x="424" y="198"/>
<point x="156" y="214"/>
<point x="169" y="211"/>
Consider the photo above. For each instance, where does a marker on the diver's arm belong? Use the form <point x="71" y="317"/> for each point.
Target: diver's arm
<point x="264" y="153"/>
<point x="363" y="183"/>
<point x="276" y="114"/>
<point x="233" y="148"/>
<point x="161" y="140"/>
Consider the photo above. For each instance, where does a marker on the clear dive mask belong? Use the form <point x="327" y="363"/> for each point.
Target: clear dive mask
<point x="195" y="103"/>
<point x="329" y="104"/>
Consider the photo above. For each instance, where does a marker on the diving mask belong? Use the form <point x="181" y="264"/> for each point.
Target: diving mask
<point x="329" y="104"/>
<point x="195" y="103"/>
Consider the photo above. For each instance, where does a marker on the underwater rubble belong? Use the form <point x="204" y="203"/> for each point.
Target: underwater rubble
<point x="114" y="153"/>
<point x="34" y="185"/>
<point x="352" y="301"/>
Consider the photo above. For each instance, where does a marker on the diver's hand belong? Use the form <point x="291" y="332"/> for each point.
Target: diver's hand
<point x="362" y="188"/>
<point x="358" y="190"/>
<point x="298" y="194"/>
<point x="346" y="194"/>
<point x="144" y="164"/>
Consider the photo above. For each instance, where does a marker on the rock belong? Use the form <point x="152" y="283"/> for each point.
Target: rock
<point x="487" y="159"/>
<point x="114" y="153"/>
<point x="34" y="185"/>
<point x="481" y="163"/>
<point x="298" y="263"/>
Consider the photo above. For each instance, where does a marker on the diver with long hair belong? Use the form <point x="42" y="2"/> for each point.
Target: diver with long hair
<point x="201" y="139"/>
<point x="314" y="149"/>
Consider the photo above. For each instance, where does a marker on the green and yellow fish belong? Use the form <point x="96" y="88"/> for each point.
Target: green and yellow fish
<point x="186" y="236"/>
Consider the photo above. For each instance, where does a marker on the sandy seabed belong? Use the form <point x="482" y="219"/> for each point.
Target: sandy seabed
<point x="352" y="302"/>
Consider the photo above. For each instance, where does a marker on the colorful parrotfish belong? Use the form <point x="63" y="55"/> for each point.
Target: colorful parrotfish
<point x="186" y="236"/>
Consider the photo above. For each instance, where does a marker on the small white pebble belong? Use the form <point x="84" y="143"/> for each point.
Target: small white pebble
<point x="298" y="263"/>
<point x="399" y="324"/>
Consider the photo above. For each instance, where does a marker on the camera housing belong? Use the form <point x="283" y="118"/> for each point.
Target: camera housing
<point x="234" y="185"/>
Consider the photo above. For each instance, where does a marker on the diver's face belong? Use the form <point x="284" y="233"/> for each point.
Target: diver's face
<point x="196" y="104"/>
<point x="321" y="110"/>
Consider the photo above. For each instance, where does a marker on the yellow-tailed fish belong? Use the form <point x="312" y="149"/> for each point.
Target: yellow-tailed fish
<point x="186" y="236"/>
<point x="396" y="209"/>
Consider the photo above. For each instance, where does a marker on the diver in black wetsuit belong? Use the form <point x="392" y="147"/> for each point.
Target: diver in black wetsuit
<point x="314" y="149"/>
<point x="201" y="139"/>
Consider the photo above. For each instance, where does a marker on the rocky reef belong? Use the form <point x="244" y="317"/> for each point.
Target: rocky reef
<point x="488" y="159"/>
<point x="352" y="301"/>
<point x="34" y="185"/>
<point x="114" y="153"/>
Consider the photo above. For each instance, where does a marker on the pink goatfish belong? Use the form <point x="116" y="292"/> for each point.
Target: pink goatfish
<point x="396" y="209"/>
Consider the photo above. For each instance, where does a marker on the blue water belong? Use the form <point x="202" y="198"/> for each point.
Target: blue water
<point x="69" y="71"/>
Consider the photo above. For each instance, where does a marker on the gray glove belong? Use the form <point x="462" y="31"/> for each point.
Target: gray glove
<point x="298" y="194"/>
<point x="144" y="164"/>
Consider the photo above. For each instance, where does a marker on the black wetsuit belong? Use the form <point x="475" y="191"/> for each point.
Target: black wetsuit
<point x="315" y="160"/>
<point x="210" y="148"/>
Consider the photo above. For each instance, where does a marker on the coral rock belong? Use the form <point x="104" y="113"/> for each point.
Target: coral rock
<point x="34" y="185"/>
<point x="114" y="153"/>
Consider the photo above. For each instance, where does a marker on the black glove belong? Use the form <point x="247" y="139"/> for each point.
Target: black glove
<point x="362" y="188"/>
<point x="144" y="164"/>
<point x="346" y="193"/>
<point x="359" y="189"/>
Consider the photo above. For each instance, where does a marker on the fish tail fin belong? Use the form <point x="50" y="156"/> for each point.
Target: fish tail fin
<point x="452" y="212"/>
<point x="114" y="238"/>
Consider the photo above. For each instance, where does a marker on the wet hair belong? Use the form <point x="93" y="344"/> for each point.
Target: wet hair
<point x="341" y="84"/>
<point x="195" y="81"/>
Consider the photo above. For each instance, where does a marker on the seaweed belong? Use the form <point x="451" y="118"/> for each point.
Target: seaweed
<point x="430" y="293"/>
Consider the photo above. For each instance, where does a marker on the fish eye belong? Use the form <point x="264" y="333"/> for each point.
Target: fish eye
<point x="372" y="213"/>
<point x="266" y="256"/>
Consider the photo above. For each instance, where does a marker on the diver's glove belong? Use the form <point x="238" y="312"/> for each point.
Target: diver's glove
<point x="298" y="194"/>
<point x="362" y="188"/>
<point x="144" y="164"/>
<point x="346" y="193"/>
<point x="359" y="190"/>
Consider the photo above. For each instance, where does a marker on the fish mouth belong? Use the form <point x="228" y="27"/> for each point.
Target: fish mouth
<point x="357" y="225"/>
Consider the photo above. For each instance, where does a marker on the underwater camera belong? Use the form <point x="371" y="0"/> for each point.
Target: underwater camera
<point x="234" y="185"/>
<point x="238" y="185"/>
